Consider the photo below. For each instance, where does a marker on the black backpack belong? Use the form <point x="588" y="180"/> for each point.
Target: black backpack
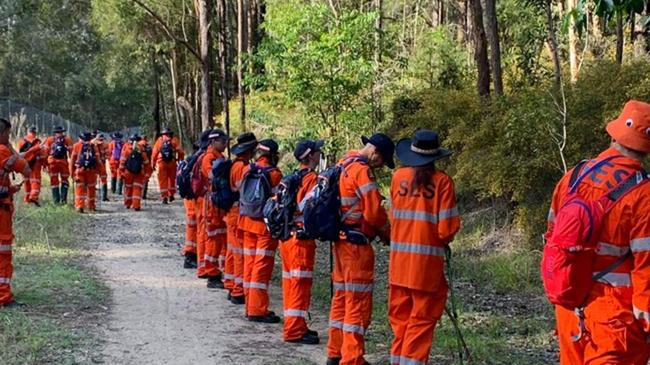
<point x="59" y="149"/>
<point x="167" y="151"/>
<point x="222" y="195"/>
<point x="255" y="191"/>
<point x="86" y="159"/>
<point x="134" y="162"/>
<point x="322" y="212"/>
<point x="184" y="175"/>
<point x="280" y="210"/>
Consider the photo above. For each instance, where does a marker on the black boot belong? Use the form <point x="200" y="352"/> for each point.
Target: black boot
<point x="333" y="361"/>
<point x="113" y="185"/>
<point x="268" y="318"/>
<point x="105" y="193"/>
<point x="190" y="261"/>
<point x="214" y="282"/>
<point x="120" y="185"/>
<point x="165" y="201"/>
<point x="56" y="195"/>
<point x="64" y="193"/>
<point x="240" y="300"/>
<point x="145" y="190"/>
<point x="306" y="339"/>
<point x="171" y="198"/>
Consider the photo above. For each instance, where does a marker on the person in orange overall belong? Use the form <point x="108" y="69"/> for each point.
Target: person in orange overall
<point x="354" y="256"/>
<point x="134" y="168"/>
<point x="259" y="246"/>
<point x="189" y="247"/>
<point x="102" y="148"/>
<point x="166" y="152"/>
<point x="85" y="169"/>
<point x="617" y="310"/>
<point x="298" y="255"/>
<point x="31" y="148"/>
<point x="424" y="220"/>
<point x="59" y="149"/>
<point x="149" y="151"/>
<point x="10" y="161"/>
<point x="212" y="218"/>
<point x="234" y="265"/>
<point x="115" y="153"/>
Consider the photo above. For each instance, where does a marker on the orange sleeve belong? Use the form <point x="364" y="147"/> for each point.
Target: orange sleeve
<point x="275" y="176"/>
<point x="368" y="190"/>
<point x="126" y="150"/>
<point x="448" y="215"/>
<point x="206" y="165"/>
<point x="12" y="162"/>
<point x="556" y="201"/>
<point x="640" y="247"/>
<point x="179" y="149"/>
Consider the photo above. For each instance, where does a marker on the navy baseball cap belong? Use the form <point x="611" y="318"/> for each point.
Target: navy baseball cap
<point x="385" y="146"/>
<point x="307" y="146"/>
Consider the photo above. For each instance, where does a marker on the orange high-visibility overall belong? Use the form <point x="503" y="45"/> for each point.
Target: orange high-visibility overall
<point x="167" y="169"/>
<point x="354" y="264"/>
<point x="213" y="222"/>
<point x="190" y="226"/>
<point x="259" y="253"/>
<point x="114" y="163"/>
<point x="102" y="148"/>
<point x="35" y="155"/>
<point x="423" y="220"/>
<point x="134" y="183"/>
<point x="9" y="162"/>
<point x="58" y="169"/>
<point x="617" y="310"/>
<point x="298" y="270"/>
<point x="85" y="179"/>
<point x="234" y="266"/>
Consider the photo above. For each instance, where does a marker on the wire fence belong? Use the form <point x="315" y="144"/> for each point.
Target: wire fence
<point x="23" y="116"/>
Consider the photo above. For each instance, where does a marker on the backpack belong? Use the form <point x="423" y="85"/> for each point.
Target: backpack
<point x="134" y="162"/>
<point x="117" y="150"/>
<point x="167" y="151"/>
<point x="570" y="250"/>
<point x="184" y="176"/>
<point x="322" y="211"/>
<point x="280" y="210"/>
<point x="255" y="191"/>
<point x="26" y="146"/>
<point x="148" y="150"/>
<point x="199" y="183"/>
<point x="222" y="195"/>
<point x="87" y="159"/>
<point x="59" y="149"/>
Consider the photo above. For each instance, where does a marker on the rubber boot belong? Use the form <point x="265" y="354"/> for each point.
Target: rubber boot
<point x="105" y="193"/>
<point x="144" y="191"/>
<point x="120" y="185"/>
<point x="64" y="194"/>
<point x="113" y="185"/>
<point x="56" y="195"/>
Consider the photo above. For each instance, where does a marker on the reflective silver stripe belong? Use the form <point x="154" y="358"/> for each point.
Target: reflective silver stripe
<point x="190" y="243"/>
<point x="190" y="222"/>
<point x="641" y="315"/>
<point x="364" y="189"/>
<point x="228" y="276"/>
<point x="448" y="213"/>
<point x="297" y="274"/>
<point x="349" y="201"/>
<point x="210" y="258"/>
<point x="640" y="244"/>
<point x="416" y="248"/>
<point x="551" y="215"/>
<point x="255" y="285"/>
<point x="415" y="215"/>
<point x="354" y="287"/>
<point x="336" y="324"/>
<point x="217" y="231"/>
<point x="354" y="215"/>
<point x="6" y="281"/>
<point x="237" y="250"/>
<point x="615" y="279"/>
<point x="608" y="249"/>
<point x="239" y="280"/>
<point x="259" y="251"/>
<point x="138" y="185"/>
<point x="295" y="313"/>
<point x="5" y="248"/>
<point x="403" y="360"/>
<point x="354" y="328"/>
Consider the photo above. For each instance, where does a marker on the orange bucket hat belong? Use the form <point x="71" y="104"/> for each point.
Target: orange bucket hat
<point x="632" y="128"/>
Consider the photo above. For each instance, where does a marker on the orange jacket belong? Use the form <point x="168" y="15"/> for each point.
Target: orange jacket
<point x="49" y="144"/>
<point x="102" y="148"/>
<point x="126" y="152"/>
<point x="36" y="152"/>
<point x="361" y="199"/>
<point x="423" y="220"/>
<point x="9" y="162"/>
<point x="215" y="214"/>
<point x="306" y="185"/>
<point x="236" y="179"/>
<point x="626" y="227"/>
<point x="157" y="158"/>
<point x="253" y="225"/>
<point x="76" y="151"/>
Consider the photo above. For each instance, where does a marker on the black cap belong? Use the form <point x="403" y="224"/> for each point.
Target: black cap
<point x="218" y="134"/>
<point x="135" y="137"/>
<point x="117" y="135"/>
<point x="59" y="129"/>
<point x="204" y="139"/>
<point x="86" y="136"/>
<point x="167" y="131"/>
<point x="422" y="149"/>
<point x="384" y="145"/>
<point x="245" y="142"/>
<point x="307" y="146"/>
<point x="269" y="145"/>
<point x="33" y="129"/>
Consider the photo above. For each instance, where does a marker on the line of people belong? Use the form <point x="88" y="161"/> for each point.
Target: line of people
<point x="230" y="239"/>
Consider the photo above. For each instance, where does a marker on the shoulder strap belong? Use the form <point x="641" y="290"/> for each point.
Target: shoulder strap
<point x="601" y="274"/>
<point x="597" y="165"/>
<point x="576" y="172"/>
<point x="629" y="184"/>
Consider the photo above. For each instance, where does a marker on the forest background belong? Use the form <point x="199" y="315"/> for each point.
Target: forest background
<point x="520" y="90"/>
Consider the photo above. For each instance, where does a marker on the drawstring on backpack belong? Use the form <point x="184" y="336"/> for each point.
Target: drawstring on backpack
<point x="452" y="313"/>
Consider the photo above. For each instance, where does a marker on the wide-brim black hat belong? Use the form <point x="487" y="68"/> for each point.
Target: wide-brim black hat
<point x="117" y="135"/>
<point x="423" y="149"/>
<point x="59" y="130"/>
<point x="167" y="131"/>
<point x="384" y="145"/>
<point x="86" y="136"/>
<point x="245" y="142"/>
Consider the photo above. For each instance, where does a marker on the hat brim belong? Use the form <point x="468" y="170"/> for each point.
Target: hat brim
<point x="240" y="148"/>
<point x="627" y="137"/>
<point x="319" y="144"/>
<point x="388" y="160"/>
<point x="414" y="159"/>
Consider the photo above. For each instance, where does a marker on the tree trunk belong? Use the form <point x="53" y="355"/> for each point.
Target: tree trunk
<point x="156" y="87"/>
<point x="573" y="42"/>
<point x="223" y="60"/>
<point x="620" y="38"/>
<point x="552" y="43"/>
<point x="173" y="72"/>
<point x="492" y="32"/>
<point x="376" y="90"/>
<point x="441" y="12"/>
<point x="241" y="50"/>
<point x="480" y="49"/>
<point x="204" y="12"/>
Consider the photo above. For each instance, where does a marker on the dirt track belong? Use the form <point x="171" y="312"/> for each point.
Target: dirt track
<point x="161" y="313"/>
